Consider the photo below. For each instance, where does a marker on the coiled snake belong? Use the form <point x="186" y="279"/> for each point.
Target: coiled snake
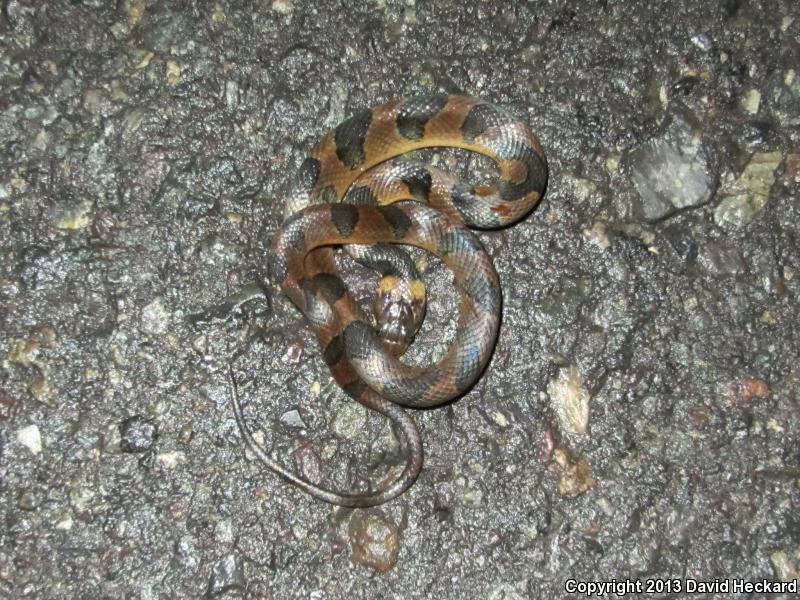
<point x="357" y="191"/>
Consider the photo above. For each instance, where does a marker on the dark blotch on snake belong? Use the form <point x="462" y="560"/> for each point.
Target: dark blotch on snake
<point x="470" y="358"/>
<point x="355" y="388"/>
<point x="361" y="195"/>
<point x="329" y="286"/>
<point x="416" y="112"/>
<point x="333" y="351"/>
<point x="309" y="292"/>
<point x="484" y="292"/>
<point x="418" y="180"/>
<point x="410" y="390"/>
<point x="349" y="138"/>
<point x="462" y="194"/>
<point x="345" y="218"/>
<point x="360" y="341"/>
<point x="459" y="240"/>
<point x="398" y="219"/>
<point x="307" y="175"/>
<point x="481" y="117"/>
<point x="386" y="259"/>
<point x="475" y="210"/>
<point x="536" y="176"/>
<point x="294" y="231"/>
<point x="328" y="194"/>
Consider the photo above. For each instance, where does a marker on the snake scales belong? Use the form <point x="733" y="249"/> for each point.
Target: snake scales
<point x="357" y="191"/>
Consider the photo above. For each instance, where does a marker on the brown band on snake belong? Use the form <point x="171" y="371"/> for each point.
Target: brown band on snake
<point x="349" y="193"/>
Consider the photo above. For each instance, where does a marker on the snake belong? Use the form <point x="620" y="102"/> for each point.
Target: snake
<point x="359" y="192"/>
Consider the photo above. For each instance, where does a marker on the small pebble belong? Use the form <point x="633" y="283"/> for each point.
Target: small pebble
<point x="292" y="418"/>
<point x="308" y="464"/>
<point x="65" y="523"/>
<point x="137" y="434"/>
<point x="349" y="421"/>
<point x="751" y="101"/>
<point x="173" y="73"/>
<point x="570" y="400"/>
<point x="186" y="433"/>
<point x="283" y="7"/>
<point x="375" y="540"/>
<point x="671" y="172"/>
<point x="743" y="199"/>
<point x="30" y="438"/>
<point x="575" y="475"/>
<point x="80" y="497"/>
<point x="27" y="501"/>
<point x="170" y="460"/>
<point x="293" y="352"/>
<point x="155" y="317"/>
<point x="226" y="575"/>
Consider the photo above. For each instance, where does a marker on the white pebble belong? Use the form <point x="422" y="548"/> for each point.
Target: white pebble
<point x="283" y="7"/>
<point x="30" y="438"/>
<point x="170" y="460"/>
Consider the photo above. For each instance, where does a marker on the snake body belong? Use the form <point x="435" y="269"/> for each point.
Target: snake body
<point x="357" y="191"/>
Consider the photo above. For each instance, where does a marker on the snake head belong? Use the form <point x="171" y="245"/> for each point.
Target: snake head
<point x="399" y="310"/>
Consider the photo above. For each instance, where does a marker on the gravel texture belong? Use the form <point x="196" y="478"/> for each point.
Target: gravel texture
<point x="639" y="418"/>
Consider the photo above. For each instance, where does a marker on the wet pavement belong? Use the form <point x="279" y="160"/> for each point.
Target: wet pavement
<point x="639" y="418"/>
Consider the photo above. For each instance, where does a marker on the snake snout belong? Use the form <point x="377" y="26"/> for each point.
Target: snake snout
<point x="399" y="315"/>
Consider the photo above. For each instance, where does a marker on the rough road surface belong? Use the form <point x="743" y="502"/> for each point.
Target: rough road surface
<point x="639" y="419"/>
